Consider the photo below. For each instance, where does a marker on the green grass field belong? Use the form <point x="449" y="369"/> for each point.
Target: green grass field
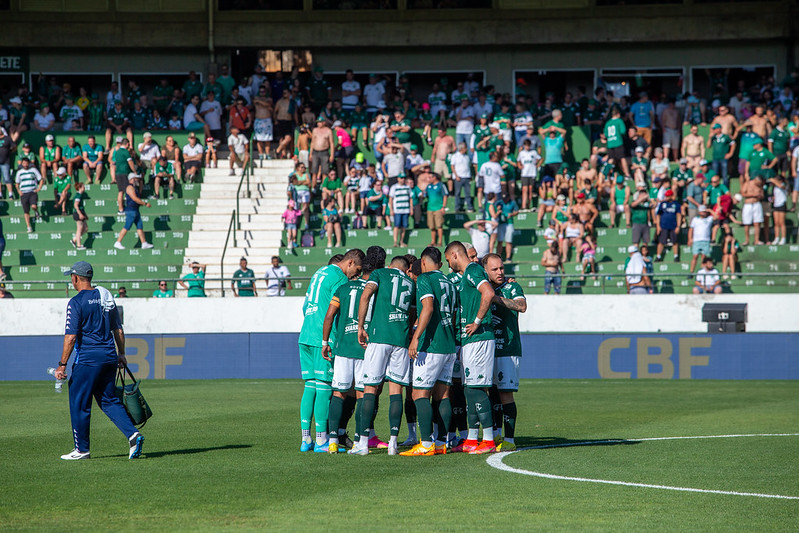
<point x="223" y="455"/>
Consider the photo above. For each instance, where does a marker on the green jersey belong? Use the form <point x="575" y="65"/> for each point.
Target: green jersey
<point x="321" y="289"/>
<point x="78" y="202"/>
<point x="682" y="175"/>
<point x="50" y="153"/>
<point x="503" y="119"/>
<point x="570" y="113"/>
<point x="347" y="298"/>
<point x="506" y="321"/>
<point x="757" y="159"/>
<point x="118" y="117"/>
<point x="71" y="152"/>
<point x="192" y="88"/>
<point x="319" y="90"/>
<point x="614" y="132"/>
<point x="158" y="293"/>
<point x="440" y="334"/>
<point x="245" y="281"/>
<point x="121" y="158"/>
<point x="720" y="145"/>
<point x="714" y="192"/>
<point x="161" y="91"/>
<point x="358" y="118"/>
<point x="640" y="211"/>
<point x="167" y="169"/>
<point x="470" y="297"/>
<point x="436" y="193"/>
<point x="390" y="304"/>
<point x="96" y="113"/>
<point x="27" y="179"/>
<point x="480" y="133"/>
<point x="778" y="141"/>
<point x="196" y="283"/>
<point x="61" y="183"/>
<point x="748" y="139"/>
<point x="403" y="136"/>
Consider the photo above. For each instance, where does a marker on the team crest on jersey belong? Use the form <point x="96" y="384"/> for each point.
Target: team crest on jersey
<point x="466" y="372"/>
<point x="500" y="376"/>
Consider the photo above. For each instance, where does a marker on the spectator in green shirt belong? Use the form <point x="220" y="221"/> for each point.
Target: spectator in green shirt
<point x="615" y="132"/>
<point x="722" y="148"/>
<point x="331" y="187"/>
<point x="401" y="126"/>
<point x="761" y="162"/>
<point x="162" y="291"/>
<point x="778" y="141"/>
<point x="243" y="283"/>
<point x="196" y="281"/>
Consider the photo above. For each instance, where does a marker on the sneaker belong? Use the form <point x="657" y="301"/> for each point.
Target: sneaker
<point x="332" y="448"/>
<point x="393" y="449"/>
<point x="375" y="442"/>
<point x="171" y="196"/>
<point x="30" y="230"/>
<point x="441" y="449"/>
<point x="466" y="446"/>
<point x="120" y="213"/>
<point x="418" y="450"/>
<point x="357" y="450"/>
<point x="410" y="441"/>
<point x="147" y="245"/>
<point x="346" y="440"/>
<point x="506" y="446"/>
<point x="80" y="248"/>
<point x="136" y="442"/>
<point x="118" y="246"/>
<point x="321" y="448"/>
<point x="306" y="446"/>
<point x="486" y="446"/>
<point x="73" y="243"/>
<point x="75" y="455"/>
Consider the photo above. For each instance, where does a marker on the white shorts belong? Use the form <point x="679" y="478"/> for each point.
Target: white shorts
<point x="262" y="128"/>
<point x="506" y="373"/>
<point x="752" y="214"/>
<point x="304" y="197"/>
<point x="457" y="368"/>
<point x="302" y="157"/>
<point x="428" y="368"/>
<point x="506" y="135"/>
<point x="477" y="359"/>
<point x="385" y="360"/>
<point x="345" y="372"/>
<point x="505" y="233"/>
<point x="620" y="208"/>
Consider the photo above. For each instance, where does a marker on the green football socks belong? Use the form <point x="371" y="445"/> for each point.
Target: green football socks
<point x="395" y="413"/>
<point x="306" y="407"/>
<point x="424" y="414"/>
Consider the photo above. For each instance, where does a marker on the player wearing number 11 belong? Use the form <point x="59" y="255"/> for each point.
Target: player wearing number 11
<point x="386" y="355"/>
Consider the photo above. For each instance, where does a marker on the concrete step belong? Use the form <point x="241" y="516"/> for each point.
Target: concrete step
<point x="218" y="236"/>
<point x="264" y="224"/>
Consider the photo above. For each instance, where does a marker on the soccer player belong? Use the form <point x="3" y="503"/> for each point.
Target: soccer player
<point x="386" y="342"/>
<point x="347" y="353"/>
<point x="477" y="347"/>
<point x="506" y="305"/>
<point x="432" y="349"/>
<point x="92" y="327"/>
<point x="315" y="370"/>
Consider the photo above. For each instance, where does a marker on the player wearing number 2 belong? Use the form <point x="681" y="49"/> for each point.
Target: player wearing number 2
<point x="347" y="354"/>
<point x="477" y="347"/>
<point x="315" y="370"/>
<point x="386" y="342"/>
<point x="506" y="305"/>
<point x="432" y="350"/>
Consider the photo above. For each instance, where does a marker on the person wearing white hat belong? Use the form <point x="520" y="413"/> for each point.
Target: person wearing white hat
<point x="132" y="215"/>
<point x="699" y="235"/>
<point x="49" y="155"/>
<point x="62" y="183"/>
<point x="635" y="272"/>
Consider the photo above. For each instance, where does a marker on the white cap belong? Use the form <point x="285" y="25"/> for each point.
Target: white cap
<point x="640" y="184"/>
<point x="337" y="123"/>
<point x="134" y="175"/>
<point x="61" y="171"/>
<point x="702" y="207"/>
<point x="632" y="249"/>
<point x="16" y="100"/>
<point x="147" y="134"/>
<point x="49" y="137"/>
<point x="639" y="148"/>
<point x="119" y="139"/>
<point x="3" y="131"/>
<point x="703" y="162"/>
<point x="494" y="125"/>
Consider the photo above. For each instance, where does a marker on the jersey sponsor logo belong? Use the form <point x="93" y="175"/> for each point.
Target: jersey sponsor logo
<point x="351" y="328"/>
<point x="397" y="317"/>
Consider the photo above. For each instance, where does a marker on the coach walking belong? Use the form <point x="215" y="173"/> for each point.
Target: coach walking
<point x="92" y="326"/>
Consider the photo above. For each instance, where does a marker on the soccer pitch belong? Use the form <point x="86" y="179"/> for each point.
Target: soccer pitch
<point x="223" y="455"/>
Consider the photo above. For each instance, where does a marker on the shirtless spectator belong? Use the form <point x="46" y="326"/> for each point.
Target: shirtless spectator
<point x="573" y="232"/>
<point x="285" y="118"/>
<point x="262" y="127"/>
<point x="323" y="144"/>
<point x="693" y="149"/>
<point x="304" y="145"/>
<point x="553" y="264"/>
<point x="671" y="123"/>
<point x="192" y="157"/>
<point x="443" y="147"/>
<point x="759" y="122"/>
<point x="752" y="212"/>
<point x="172" y="152"/>
<point x="586" y="212"/>
<point x="726" y="120"/>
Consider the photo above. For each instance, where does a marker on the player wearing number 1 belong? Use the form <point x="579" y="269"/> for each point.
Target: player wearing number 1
<point x="315" y="370"/>
<point x="347" y="354"/>
<point x="477" y="347"/>
<point x="386" y="342"/>
<point x="432" y="349"/>
<point x="508" y="302"/>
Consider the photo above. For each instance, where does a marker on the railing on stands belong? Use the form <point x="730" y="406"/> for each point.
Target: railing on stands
<point x="230" y="228"/>
<point x="788" y="280"/>
<point x="248" y="169"/>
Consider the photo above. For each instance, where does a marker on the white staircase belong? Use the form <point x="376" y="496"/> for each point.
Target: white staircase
<point x="261" y="229"/>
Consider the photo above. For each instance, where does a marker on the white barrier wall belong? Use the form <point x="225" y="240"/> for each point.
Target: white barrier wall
<point x="570" y="314"/>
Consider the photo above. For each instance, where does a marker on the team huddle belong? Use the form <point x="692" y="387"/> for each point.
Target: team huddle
<point x="451" y="341"/>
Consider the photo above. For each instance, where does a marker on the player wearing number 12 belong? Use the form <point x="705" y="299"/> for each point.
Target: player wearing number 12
<point x="477" y="347"/>
<point x="315" y="370"/>
<point x="432" y="349"/>
<point x="506" y="305"/>
<point x="393" y="311"/>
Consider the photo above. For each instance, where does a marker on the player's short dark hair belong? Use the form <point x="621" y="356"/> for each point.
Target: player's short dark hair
<point x="416" y="267"/>
<point x="433" y="254"/>
<point x="356" y="255"/>
<point x="336" y="259"/>
<point x="85" y="278"/>
<point x="375" y="259"/>
<point x="486" y="257"/>
<point x="410" y="258"/>
<point x="456" y="246"/>
<point x="400" y="262"/>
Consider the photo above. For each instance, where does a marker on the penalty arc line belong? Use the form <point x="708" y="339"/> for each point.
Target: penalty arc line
<point x="496" y="461"/>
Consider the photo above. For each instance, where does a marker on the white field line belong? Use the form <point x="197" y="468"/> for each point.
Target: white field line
<point x="496" y="461"/>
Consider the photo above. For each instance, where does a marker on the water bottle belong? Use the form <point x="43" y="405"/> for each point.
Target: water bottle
<point x="58" y="382"/>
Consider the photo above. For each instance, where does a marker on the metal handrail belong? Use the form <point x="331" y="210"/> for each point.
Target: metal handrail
<point x="245" y="174"/>
<point x="224" y="250"/>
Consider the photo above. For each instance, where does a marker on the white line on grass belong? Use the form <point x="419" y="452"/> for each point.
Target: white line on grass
<point x="496" y="462"/>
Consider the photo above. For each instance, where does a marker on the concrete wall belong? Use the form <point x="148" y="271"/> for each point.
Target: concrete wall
<point x="572" y="314"/>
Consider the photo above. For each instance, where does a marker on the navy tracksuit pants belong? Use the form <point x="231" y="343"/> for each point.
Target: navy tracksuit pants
<point x="98" y="382"/>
